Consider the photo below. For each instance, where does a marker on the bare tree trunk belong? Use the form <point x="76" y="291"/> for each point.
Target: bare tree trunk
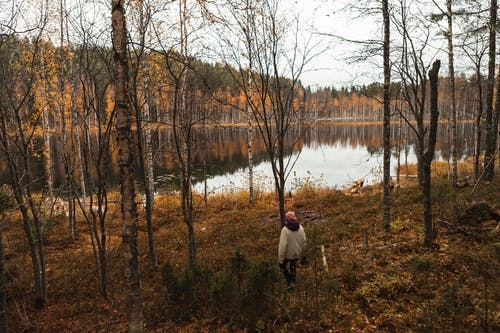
<point x="187" y="192"/>
<point x="4" y="328"/>
<point x="142" y="121"/>
<point x="426" y="190"/>
<point x="251" y="192"/>
<point x="46" y="130"/>
<point x="145" y="166"/>
<point x="281" y="191"/>
<point x="103" y="269"/>
<point x="494" y="130"/>
<point x="98" y="235"/>
<point x="398" y="152"/>
<point x="387" y="120"/>
<point x="400" y="137"/>
<point x="79" y="156"/>
<point x="183" y="138"/>
<point x="407" y="145"/>
<point x="150" y="188"/>
<point x="451" y="70"/>
<point x="489" y="153"/>
<point x="477" y="123"/>
<point x="248" y="109"/>
<point x="14" y="133"/>
<point x="35" y="261"/>
<point x="47" y="152"/>
<point x="99" y="162"/>
<point x="40" y="248"/>
<point x="126" y="158"/>
<point x="33" y="232"/>
<point x="65" y="155"/>
<point x="429" y="154"/>
<point x="498" y="143"/>
<point x="75" y="137"/>
<point x="80" y="132"/>
<point x="149" y="153"/>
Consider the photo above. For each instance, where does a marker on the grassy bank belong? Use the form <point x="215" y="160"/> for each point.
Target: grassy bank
<point x="373" y="281"/>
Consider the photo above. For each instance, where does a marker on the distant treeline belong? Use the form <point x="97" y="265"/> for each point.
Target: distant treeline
<point x="78" y="78"/>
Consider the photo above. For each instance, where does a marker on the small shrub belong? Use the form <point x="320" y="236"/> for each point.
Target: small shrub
<point x="449" y="313"/>
<point x="421" y="264"/>
<point x="226" y="289"/>
<point x="427" y="322"/>
<point x="349" y="267"/>
<point x="487" y="270"/>
<point x="258" y="295"/>
<point x="400" y="225"/>
<point x="154" y="312"/>
<point x="331" y="289"/>
<point x="331" y="286"/>
<point x="306" y="185"/>
<point x="170" y="280"/>
<point x="243" y="289"/>
<point x="383" y="287"/>
<point x="190" y="292"/>
<point x="450" y="305"/>
<point x="238" y="264"/>
<point x="6" y="199"/>
<point x="225" y="295"/>
<point x="196" y="285"/>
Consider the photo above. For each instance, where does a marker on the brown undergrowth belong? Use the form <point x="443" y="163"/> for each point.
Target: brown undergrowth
<point x="372" y="281"/>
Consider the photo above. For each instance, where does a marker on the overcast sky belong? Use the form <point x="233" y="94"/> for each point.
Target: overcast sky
<point x="322" y="16"/>
<point x="332" y="67"/>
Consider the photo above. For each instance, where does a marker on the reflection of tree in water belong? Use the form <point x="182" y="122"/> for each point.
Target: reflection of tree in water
<point x="224" y="149"/>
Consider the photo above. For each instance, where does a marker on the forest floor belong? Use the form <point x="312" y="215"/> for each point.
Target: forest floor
<point x="373" y="281"/>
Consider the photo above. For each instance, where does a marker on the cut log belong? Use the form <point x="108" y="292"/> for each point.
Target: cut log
<point x="358" y="183"/>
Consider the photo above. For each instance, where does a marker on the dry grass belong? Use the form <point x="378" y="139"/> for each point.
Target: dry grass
<point x="392" y="285"/>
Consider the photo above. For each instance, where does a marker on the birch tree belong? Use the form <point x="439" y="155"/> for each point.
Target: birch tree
<point x="387" y="117"/>
<point x="273" y="82"/>
<point x="64" y="78"/>
<point x="448" y="14"/>
<point x="491" y="130"/>
<point x="243" y="17"/>
<point x="191" y="99"/>
<point x="126" y="158"/>
<point x="47" y="154"/>
<point x="95" y="150"/>
<point x="474" y="45"/>
<point x="368" y="48"/>
<point x="19" y="122"/>
<point x="413" y="72"/>
<point x="140" y="101"/>
<point x="183" y="123"/>
<point x="451" y="73"/>
<point x="6" y="205"/>
<point x="4" y="327"/>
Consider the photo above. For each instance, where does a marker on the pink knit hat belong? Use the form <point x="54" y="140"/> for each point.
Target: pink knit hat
<point x="290" y="216"/>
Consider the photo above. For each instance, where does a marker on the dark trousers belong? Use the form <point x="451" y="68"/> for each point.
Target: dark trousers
<point x="288" y="268"/>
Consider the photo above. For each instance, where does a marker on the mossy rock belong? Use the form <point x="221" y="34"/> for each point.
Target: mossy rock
<point x="478" y="213"/>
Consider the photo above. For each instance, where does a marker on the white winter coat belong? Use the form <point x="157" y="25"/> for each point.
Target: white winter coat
<point x="292" y="244"/>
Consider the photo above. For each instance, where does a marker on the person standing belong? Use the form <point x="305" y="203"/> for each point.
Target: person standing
<point x="291" y="248"/>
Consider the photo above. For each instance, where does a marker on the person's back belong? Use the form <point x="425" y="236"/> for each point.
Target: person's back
<point x="292" y="243"/>
<point x="291" y="247"/>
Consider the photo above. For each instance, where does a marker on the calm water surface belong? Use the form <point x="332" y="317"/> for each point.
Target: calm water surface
<point x="334" y="156"/>
<point x="331" y="156"/>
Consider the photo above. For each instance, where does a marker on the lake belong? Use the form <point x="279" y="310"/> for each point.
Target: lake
<point x="325" y="155"/>
<point x="329" y="156"/>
